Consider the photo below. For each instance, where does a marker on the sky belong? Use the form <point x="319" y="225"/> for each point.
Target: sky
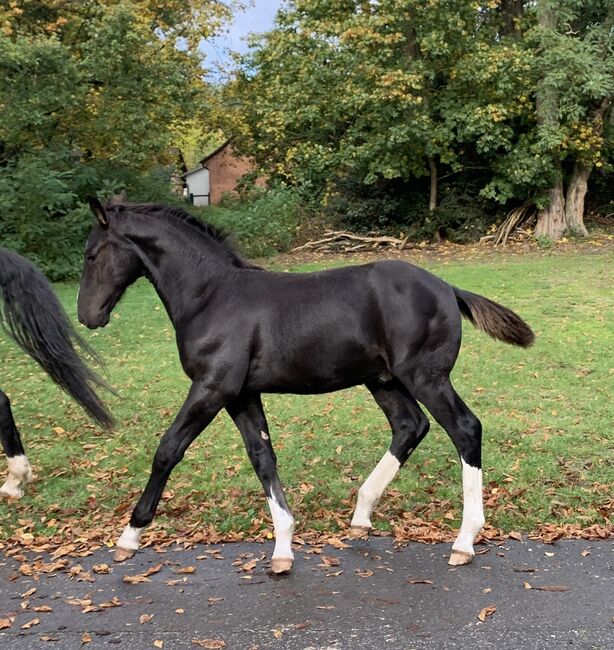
<point x="257" y="18"/>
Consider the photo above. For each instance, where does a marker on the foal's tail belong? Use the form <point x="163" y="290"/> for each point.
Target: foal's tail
<point x="33" y="317"/>
<point x="496" y="320"/>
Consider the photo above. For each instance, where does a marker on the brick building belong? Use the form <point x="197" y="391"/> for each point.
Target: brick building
<point x="219" y="172"/>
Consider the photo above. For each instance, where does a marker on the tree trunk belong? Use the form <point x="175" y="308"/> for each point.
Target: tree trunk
<point x="433" y="194"/>
<point x="574" y="202"/>
<point x="551" y="220"/>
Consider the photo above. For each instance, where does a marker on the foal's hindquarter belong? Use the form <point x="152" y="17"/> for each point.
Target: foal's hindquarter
<point x="242" y="331"/>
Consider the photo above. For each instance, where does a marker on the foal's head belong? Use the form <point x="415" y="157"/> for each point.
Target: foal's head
<point x="111" y="265"/>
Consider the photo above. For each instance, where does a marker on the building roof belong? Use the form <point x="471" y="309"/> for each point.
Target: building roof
<point x="215" y="152"/>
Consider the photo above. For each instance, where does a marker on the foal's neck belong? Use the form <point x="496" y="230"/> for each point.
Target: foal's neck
<point x="184" y="266"/>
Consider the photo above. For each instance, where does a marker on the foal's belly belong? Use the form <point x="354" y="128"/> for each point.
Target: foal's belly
<point x="318" y="369"/>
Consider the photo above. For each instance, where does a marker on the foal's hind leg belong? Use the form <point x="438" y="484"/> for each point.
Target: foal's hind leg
<point x="248" y="415"/>
<point x="465" y="430"/>
<point x="19" y="470"/>
<point x="409" y="426"/>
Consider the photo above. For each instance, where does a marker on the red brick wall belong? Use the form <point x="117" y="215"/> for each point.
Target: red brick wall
<point x="224" y="171"/>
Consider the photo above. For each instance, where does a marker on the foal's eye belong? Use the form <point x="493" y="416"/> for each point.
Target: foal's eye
<point x="90" y="257"/>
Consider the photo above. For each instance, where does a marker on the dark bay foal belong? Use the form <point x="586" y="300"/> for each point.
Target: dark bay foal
<point x="242" y="331"/>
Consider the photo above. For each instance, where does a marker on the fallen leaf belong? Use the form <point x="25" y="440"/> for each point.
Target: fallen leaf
<point x="29" y="593"/>
<point x="302" y="626"/>
<point x="552" y="588"/>
<point x="86" y="638"/>
<point x="364" y="573"/>
<point x="133" y="580"/>
<point x="528" y="569"/>
<point x="48" y="637"/>
<point x="325" y="607"/>
<point x="29" y="624"/>
<point x="144" y="618"/>
<point x="43" y="608"/>
<point x="179" y="610"/>
<point x="419" y="581"/>
<point x="212" y="600"/>
<point x="527" y="585"/>
<point x="487" y="590"/>
<point x="101" y="568"/>
<point x="185" y="569"/>
<point x="487" y="611"/>
<point x="153" y="569"/>
<point x="158" y="643"/>
<point x="277" y="633"/>
<point x="5" y="623"/>
<point x="585" y="553"/>
<point x="210" y="644"/>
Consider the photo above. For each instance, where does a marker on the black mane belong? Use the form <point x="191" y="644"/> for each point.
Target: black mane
<point x="176" y="213"/>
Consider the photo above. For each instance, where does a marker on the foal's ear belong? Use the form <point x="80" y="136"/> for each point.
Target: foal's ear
<point x="98" y="211"/>
<point x="118" y="198"/>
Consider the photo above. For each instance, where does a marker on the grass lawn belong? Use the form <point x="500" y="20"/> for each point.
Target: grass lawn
<point x="548" y="451"/>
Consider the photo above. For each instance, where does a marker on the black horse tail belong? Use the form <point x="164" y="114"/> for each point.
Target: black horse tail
<point x="32" y="315"/>
<point x="496" y="320"/>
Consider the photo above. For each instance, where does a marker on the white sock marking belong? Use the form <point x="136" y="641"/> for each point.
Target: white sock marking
<point x="283" y="525"/>
<point x="373" y="488"/>
<point x="19" y="471"/>
<point x="130" y="538"/>
<point x="473" y="511"/>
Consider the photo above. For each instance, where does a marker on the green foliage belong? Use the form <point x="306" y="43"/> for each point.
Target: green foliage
<point x="264" y="223"/>
<point x="92" y="97"/>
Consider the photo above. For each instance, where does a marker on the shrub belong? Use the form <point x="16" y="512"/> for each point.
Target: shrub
<point x="263" y="223"/>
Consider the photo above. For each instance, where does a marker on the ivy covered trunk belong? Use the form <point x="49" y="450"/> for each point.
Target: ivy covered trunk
<point x="574" y="203"/>
<point x="551" y="219"/>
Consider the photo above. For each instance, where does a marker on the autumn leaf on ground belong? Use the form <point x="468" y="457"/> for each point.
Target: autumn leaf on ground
<point x="210" y="644"/>
<point x="552" y="588"/>
<point x="29" y="624"/>
<point x="5" y="623"/>
<point x="364" y="573"/>
<point x="133" y="580"/>
<point x="487" y="611"/>
<point x="419" y="581"/>
<point x="101" y="568"/>
<point x="144" y="618"/>
<point x="277" y="633"/>
<point x="185" y="569"/>
<point x="158" y="643"/>
<point x="86" y="638"/>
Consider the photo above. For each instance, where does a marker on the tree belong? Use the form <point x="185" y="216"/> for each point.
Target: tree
<point x="574" y="92"/>
<point x="92" y="96"/>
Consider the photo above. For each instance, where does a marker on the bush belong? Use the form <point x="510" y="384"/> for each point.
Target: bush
<point x="263" y="223"/>
<point x="43" y="211"/>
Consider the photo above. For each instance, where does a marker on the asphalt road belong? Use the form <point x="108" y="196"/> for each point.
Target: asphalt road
<point x="371" y="595"/>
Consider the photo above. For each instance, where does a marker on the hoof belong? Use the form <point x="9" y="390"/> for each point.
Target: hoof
<point x="460" y="557"/>
<point x="10" y="493"/>
<point x="359" y="532"/>
<point x="281" y="564"/>
<point x="122" y="554"/>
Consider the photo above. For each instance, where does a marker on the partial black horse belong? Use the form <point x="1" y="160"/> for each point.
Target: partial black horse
<point x="32" y="316"/>
<point x="242" y="331"/>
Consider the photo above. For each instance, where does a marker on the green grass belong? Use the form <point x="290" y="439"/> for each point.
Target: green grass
<point x="548" y="451"/>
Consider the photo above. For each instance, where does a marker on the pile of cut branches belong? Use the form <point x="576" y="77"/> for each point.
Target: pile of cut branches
<point x="340" y="241"/>
<point x="515" y="226"/>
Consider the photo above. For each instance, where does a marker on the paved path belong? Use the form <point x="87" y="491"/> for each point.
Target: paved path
<point x="366" y="596"/>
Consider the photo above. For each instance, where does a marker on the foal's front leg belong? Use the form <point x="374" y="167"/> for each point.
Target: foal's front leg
<point x="201" y="406"/>
<point x="248" y="415"/>
<point x="19" y="470"/>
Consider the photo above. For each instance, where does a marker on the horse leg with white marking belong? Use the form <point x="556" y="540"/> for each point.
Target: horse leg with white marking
<point x="248" y="415"/>
<point x="465" y="430"/>
<point x="19" y="470"/>
<point x="409" y="426"/>
<point x="200" y="407"/>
